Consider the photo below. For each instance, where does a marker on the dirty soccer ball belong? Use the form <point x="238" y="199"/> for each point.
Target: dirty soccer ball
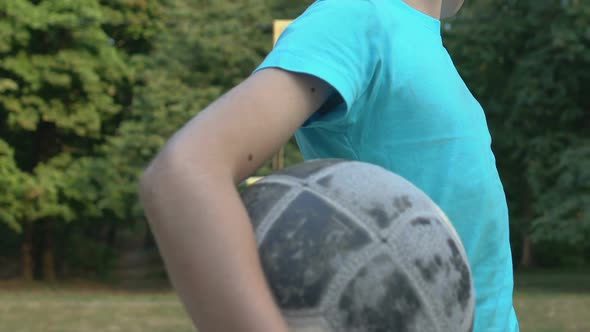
<point x="348" y="246"/>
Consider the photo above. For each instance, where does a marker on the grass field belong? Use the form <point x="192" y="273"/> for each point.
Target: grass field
<point x="545" y="302"/>
<point x="553" y="301"/>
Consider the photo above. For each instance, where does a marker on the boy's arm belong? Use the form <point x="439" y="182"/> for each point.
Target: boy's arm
<point x="195" y="212"/>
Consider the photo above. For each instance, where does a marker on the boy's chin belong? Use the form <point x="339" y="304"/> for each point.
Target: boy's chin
<point x="450" y="8"/>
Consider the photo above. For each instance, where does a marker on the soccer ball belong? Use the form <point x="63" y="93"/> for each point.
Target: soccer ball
<point x="348" y="246"/>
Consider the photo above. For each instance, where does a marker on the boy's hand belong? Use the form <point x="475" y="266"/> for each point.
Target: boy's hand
<point x="195" y="212"/>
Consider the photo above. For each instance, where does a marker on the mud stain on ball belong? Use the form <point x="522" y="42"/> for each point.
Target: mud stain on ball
<point x="379" y="215"/>
<point x="428" y="270"/>
<point x="326" y="181"/>
<point x="370" y="291"/>
<point x="305" y="247"/>
<point x="463" y="285"/>
<point x="421" y="221"/>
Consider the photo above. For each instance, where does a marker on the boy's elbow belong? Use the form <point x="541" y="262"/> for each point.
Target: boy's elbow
<point x="174" y="167"/>
<point x="168" y="168"/>
<point x="152" y="180"/>
<point x="147" y="184"/>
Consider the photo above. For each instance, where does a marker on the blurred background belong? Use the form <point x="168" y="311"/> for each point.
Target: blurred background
<point x="91" y="89"/>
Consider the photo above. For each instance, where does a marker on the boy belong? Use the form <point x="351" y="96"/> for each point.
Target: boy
<point x="357" y="79"/>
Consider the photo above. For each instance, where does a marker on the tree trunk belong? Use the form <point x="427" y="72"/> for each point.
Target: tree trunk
<point x="49" y="251"/>
<point x="27" y="252"/>
<point x="526" y="260"/>
<point x="47" y="147"/>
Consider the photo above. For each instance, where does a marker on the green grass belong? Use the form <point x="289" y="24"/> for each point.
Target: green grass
<point x="544" y="301"/>
<point x="76" y="310"/>
<point x="540" y="311"/>
<point x="553" y="301"/>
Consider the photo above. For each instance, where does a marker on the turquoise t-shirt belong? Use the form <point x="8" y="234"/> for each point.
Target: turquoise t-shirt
<point x="401" y="104"/>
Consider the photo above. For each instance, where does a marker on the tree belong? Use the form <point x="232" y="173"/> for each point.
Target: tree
<point x="528" y="64"/>
<point x="205" y="48"/>
<point x="91" y="90"/>
<point x="66" y="81"/>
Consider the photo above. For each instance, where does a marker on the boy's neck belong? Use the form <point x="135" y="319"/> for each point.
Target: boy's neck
<point x="429" y="7"/>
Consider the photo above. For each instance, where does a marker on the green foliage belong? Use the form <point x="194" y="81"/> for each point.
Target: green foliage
<point x="67" y="74"/>
<point x="66" y="78"/>
<point x="564" y="202"/>
<point x="71" y="64"/>
<point x="91" y="90"/>
<point x="206" y="48"/>
<point x="12" y="189"/>
<point x="62" y="69"/>
<point x="528" y="63"/>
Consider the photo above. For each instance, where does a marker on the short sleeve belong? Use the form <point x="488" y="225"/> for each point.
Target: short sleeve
<point x="334" y="40"/>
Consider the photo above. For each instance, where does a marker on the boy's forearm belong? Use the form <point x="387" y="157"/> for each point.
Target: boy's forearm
<point x="209" y="249"/>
